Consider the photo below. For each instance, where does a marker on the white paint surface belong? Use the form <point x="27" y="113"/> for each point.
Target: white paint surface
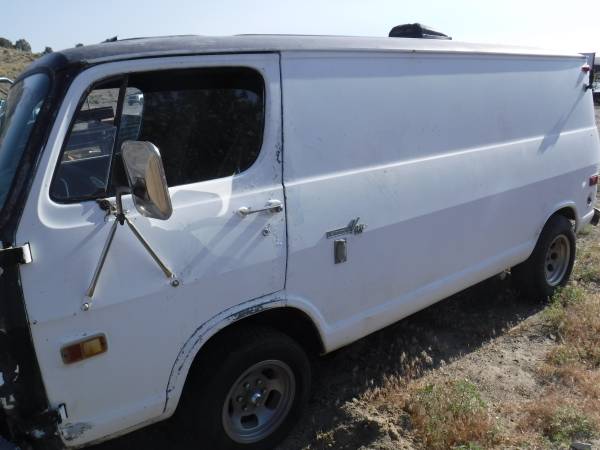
<point x="454" y="162"/>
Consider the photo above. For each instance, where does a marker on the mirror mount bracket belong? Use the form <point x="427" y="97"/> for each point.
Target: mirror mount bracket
<point x="121" y="219"/>
<point x="119" y="211"/>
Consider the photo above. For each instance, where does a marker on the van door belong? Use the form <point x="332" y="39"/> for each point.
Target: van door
<point x="217" y="123"/>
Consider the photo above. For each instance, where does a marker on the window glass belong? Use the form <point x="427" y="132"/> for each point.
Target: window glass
<point x="207" y="124"/>
<point x="18" y="115"/>
<point x="85" y="163"/>
<point x="131" y="119"/>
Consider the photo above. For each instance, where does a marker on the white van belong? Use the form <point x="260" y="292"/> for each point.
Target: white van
<point x="185" y="220"/>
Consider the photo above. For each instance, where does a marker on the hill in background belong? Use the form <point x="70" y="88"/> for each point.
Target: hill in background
<point x="13" y="62"/>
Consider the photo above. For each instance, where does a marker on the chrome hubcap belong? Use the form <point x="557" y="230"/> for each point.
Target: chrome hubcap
<point x="557" y="260"/>
<point x="259" y="401"/>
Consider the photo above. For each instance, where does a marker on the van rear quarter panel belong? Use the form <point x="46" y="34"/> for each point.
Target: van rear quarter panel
<point x="453" y="161"/>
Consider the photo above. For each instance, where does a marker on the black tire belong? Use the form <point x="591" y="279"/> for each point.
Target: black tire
<point x="201" y="410"/>
<point x="531" y="276"/>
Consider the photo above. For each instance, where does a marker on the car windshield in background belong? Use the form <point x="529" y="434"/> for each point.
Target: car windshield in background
<point x="18" y="117"/>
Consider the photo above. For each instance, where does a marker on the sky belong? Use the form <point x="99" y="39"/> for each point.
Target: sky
<point x="565" y="25"/>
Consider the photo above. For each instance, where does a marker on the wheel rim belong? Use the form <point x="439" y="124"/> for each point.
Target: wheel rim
<point x="259" y="401"/>
<point x="557" y="260"/>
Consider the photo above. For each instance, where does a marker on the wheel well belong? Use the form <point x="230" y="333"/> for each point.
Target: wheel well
<point x="291" y="321"/>
<point x="567" y="212"/>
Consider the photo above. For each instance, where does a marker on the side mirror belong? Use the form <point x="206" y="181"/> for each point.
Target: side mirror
<point x="147" y="180"/>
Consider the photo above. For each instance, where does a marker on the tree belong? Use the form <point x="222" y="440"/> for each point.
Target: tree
<point x="79" y="45"/>
<point x="47" y="50"/>
<point x="23" y="45"/>
<point x="5" y="43"/>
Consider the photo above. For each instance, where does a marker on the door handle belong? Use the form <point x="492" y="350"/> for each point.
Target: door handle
<point x="273" y="206"/>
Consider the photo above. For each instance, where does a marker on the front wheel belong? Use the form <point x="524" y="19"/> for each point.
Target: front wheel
<point x="551" y="263"/>
<point x="249" y="393"/>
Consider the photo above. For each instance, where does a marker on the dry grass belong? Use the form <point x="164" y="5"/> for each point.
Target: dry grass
<point x="451" y="415"/>
<point x="584" y="383"/>
<point x="575" y="318"/>
<point x="587" y="265"/>
<point x="569" y="407"/>
<point x="559" y="420"/>
<point x="13" y="62"/>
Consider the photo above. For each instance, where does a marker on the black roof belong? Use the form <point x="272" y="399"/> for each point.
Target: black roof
<point x="187" y="45"/>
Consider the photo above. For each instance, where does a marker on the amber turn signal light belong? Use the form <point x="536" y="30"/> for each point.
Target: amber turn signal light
<point x="84" y="349"/>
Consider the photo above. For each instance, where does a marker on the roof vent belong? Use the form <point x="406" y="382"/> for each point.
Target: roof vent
<point x="417" y="30"/>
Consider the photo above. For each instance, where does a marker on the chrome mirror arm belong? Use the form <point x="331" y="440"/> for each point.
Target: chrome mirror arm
<point x="89" y="294"/>
<point x="168" y="272"/>
<point x="121" y="219"/>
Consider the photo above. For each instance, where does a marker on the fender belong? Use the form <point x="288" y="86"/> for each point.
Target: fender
<point x="566" y="204"/>
<point x="203" y="333"/>
<point x="208" y="329"/>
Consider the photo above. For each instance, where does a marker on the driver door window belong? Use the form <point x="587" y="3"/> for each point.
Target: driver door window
<point x="207" y="124"/>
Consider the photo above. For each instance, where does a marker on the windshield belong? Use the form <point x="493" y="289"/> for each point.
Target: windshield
<point x="17" y="118"/>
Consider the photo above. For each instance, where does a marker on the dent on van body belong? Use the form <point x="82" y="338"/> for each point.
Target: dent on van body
<point x="73" y="431"/>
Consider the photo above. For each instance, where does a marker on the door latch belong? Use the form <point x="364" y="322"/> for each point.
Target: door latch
<point x="340" y="251"/>
<point x="273" y="206"/>
<point x="15" y="255"/>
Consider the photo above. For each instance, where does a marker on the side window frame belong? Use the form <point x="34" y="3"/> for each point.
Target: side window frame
<point x="123" y="78"/>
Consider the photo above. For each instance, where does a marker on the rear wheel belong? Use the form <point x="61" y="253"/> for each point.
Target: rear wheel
<point x="551" y="262"/>
<point x="248" y="393"/>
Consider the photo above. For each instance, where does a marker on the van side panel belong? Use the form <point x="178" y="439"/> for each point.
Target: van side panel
<point x="454" y="163"/>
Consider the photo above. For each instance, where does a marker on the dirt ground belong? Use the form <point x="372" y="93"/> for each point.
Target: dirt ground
<point x="486" y="334"/>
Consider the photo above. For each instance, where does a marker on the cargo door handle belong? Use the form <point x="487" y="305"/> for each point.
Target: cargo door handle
<point x="273" y="206"/>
